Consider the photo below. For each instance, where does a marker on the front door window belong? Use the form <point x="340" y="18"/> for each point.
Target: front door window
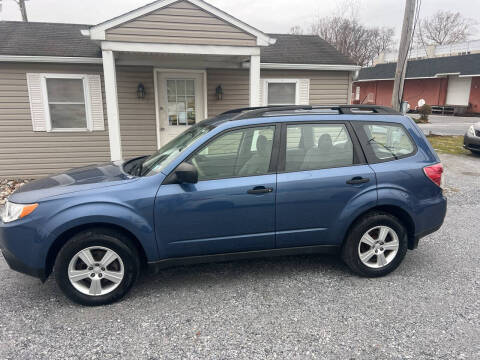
<point x="181" y="102"/>
<point x="237" y="153"/>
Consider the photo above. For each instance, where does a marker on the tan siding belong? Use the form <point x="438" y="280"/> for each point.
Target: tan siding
<point x="326" y="87"/>
<point x="235" y="90"/>
<point x="24" y="153"/>
<point x="181" y="23"/>
<point x="137" y="116"/>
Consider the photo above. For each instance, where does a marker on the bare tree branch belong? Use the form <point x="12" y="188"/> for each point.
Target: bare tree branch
<point x="350" y="37"/>
<point x="444" y="27"/>
<point x="296" y="30"/>
<point x="23" y="9"/>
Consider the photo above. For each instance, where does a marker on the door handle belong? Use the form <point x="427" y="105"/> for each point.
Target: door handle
<point x="259" y="190"/>
<point x="358" y="180"/>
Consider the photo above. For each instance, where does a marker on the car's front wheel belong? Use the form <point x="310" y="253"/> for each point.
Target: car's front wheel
<point x="97" y="267"/>
<point x="375" y="245"/>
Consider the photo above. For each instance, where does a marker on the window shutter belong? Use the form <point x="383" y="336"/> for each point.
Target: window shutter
<point x="96" y="102"/>
<point x="304" y="92"/>
<point x="37" y="102"/>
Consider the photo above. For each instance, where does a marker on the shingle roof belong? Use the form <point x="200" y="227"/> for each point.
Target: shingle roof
<point x="53" y="39"/>
<point x="45" y="39"/>
<point x="462" y="64"/>
<point x="302" y="49"/>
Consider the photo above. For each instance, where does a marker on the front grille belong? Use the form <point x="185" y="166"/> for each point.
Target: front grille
<point x="474" y="146"/>
<point x="477" y="133"/>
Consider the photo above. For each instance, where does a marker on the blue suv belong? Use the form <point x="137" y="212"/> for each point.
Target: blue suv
<point x="355" y="180"/>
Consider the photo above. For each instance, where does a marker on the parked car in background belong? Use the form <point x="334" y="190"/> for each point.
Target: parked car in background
<point x="361" y="181"/>
<point x="471" y="140"/>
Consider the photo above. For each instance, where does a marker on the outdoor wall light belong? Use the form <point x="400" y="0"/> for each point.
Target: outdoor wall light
<point x="140" y="91"/>
<point x="219" y="92"/>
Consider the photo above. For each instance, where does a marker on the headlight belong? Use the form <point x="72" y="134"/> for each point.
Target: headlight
<point x="12" y="212"/>
<point x="471" y="131"/>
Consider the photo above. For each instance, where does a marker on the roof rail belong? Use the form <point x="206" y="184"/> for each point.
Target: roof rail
<point x="249" y="112"/>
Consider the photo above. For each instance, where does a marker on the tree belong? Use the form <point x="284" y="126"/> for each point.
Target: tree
<point x="344" y="31"/>
<point x="296" y="30"/>
<point x="23" y="9"/>
<point x="352" y="38"/>
<point x="444" y="27"/>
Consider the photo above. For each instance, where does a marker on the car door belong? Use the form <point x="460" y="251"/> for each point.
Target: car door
<point x="232" y="207"/>
<point x="322" y="178"/>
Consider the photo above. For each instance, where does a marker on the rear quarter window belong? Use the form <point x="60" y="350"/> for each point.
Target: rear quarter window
<point x="386" y="141"/>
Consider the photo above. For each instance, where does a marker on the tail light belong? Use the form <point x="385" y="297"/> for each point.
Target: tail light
<point x="434" y="173"/>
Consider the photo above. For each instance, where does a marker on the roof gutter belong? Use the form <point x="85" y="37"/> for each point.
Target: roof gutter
<point x="333" y="67"/>
<point x="436" y="76"/>
<point x="50" y="59"/>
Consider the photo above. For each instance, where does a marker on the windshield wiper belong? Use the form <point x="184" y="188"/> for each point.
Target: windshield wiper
<point x="384" y="146"/>
<point x="146" y="170"/>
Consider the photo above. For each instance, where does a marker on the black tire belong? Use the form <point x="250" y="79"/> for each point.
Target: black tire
<point x="98" y="237"/>
<point x="350" y="252"/>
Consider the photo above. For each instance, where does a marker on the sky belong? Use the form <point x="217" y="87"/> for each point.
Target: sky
<point x="271" y="16"/>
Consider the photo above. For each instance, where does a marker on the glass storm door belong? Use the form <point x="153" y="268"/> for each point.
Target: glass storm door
<point x="181" y="102"/>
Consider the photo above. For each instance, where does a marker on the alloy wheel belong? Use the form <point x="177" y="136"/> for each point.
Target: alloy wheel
<point x="96" y="271"/>
<point x="378" y="247"/>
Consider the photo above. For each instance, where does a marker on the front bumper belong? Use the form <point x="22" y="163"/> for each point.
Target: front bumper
<point x="16" y="264"/>
<point x="471" y="143"/>
<point x="21" y="249"/>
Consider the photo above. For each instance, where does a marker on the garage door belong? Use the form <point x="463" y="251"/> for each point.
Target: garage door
<point x="458" y="90"/>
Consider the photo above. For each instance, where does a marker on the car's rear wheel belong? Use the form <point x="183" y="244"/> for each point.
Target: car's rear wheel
<point x="97" y="267"/>
<point x="375" y="245"/>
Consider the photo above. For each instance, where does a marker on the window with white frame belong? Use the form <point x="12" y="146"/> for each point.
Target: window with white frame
<point x="65" y="102"/>
<point x="282" y="92"/>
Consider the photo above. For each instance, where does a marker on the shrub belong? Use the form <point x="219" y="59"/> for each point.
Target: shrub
<point x="424" y="111"/>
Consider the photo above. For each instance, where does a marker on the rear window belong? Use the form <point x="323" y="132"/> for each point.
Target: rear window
<point x="388" y="141"/>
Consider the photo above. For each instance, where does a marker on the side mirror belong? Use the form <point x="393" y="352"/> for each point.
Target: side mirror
<point x="186" y="173"/>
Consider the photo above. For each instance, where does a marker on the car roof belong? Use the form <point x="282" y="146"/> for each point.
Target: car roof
<point x="280" y="110"/>
<point x="268" y="114"/>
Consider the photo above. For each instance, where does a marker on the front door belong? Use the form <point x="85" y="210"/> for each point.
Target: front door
<point x="323" y="177"/>
<point x="181" y="102"/>
<point x="231" y="208"/>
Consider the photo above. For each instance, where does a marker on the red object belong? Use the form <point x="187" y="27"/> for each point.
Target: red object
<point x="434" y="173"/>
<point x="379" y="92"/>
<point x="475" y="95"/>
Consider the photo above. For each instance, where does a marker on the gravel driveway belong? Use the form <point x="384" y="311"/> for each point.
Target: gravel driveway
<point x="290" y="308"/>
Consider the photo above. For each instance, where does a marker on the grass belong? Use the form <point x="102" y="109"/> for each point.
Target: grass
<point x="448" y="144"/>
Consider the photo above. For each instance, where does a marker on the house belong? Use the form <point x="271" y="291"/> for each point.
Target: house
<point x="72" y="95"/>
<point x="445" y="77"/>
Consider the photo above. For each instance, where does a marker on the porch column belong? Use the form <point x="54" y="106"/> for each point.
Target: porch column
<point x="254" y="80"/>
<point x="111" y="97"/>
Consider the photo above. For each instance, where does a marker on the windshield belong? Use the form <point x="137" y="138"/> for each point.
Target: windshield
<point x="164" y="156"/>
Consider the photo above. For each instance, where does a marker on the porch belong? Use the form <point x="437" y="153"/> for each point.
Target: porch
<point x="180" y="90"/>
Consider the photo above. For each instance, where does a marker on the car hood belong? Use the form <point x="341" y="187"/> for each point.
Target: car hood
<point x="78" y="179"/>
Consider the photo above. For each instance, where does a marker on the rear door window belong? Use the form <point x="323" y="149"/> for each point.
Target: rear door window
<point x="386" y="142"/>
<point x="318" y="146"/>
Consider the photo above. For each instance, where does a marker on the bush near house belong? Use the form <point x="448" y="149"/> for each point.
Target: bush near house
<point x="424" y="112"/>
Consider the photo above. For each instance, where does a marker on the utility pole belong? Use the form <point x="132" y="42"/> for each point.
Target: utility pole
<point x="407" y="30"/>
